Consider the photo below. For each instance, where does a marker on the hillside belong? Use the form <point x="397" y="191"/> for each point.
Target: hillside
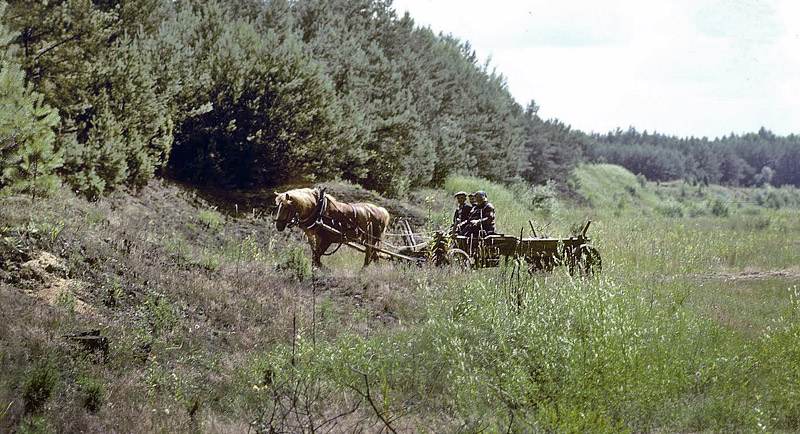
<point x="612" y="187"/>
<point x="183" y="295"/>
<point x="178" y="310"/>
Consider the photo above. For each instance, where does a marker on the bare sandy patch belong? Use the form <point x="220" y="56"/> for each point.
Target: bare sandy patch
<point x="48" y="267"/>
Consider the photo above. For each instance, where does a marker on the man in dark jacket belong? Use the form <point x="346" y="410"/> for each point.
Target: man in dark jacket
<point x="480" y="221"/>
<point x="462" y="209"/>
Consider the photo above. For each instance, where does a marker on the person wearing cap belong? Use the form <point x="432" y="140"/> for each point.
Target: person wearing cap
<point x="462" y="209"/>
<point x="481" y="219"/>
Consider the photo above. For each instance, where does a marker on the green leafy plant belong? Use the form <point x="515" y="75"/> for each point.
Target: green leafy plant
<point x="39" y="384"/>
<point x="66" y="299"/>
<point x="92" y="394"/>
<point x="210" y="218"/>
<point x="295" y="260"/>
<point x="160" y="313"/>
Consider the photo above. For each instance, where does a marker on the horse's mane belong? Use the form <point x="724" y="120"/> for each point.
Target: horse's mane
<point x="305" y="198"/>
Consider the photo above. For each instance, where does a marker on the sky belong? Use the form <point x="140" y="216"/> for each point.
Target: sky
<point x="702" y="68"/>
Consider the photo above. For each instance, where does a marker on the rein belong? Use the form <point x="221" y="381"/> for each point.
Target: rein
<point x="311" y="220"/>
<point x="289" y="221"/>
<point x="317" y="216"/>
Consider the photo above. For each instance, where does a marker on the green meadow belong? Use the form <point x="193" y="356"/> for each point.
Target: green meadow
<point x="217" y="323"/>
<point x="692" y="326"/>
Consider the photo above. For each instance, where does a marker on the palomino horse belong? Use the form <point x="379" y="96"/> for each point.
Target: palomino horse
<point x="312" y="209"/>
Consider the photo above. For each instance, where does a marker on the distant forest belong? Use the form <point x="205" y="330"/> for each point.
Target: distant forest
<point x="752" y="159"/>
<point x="251" y="93"/>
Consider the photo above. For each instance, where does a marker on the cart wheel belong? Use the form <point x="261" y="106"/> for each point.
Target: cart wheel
<point x="459" y="258"/>
<point x="589" y="261"/>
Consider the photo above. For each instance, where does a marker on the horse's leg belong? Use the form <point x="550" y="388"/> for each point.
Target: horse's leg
<point x="377" y="232"/>
<point x="369" y="241"/>
<point x="367" y="254"/>
<point x="323" y="243"/>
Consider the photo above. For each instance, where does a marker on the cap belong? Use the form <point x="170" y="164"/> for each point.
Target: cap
<point x="460" y="193"/>
<point x="480" y="193"/>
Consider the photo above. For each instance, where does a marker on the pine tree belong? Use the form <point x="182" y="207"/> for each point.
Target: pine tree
<point x="87" y="60"/>
<point x="27" y="157"/>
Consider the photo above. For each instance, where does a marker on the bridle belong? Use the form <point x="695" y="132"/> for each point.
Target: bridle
<point x="288" y="221"/>
<point x="308" y="222"/>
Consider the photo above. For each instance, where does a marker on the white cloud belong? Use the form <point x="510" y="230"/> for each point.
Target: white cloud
<point x="683" y="67"/>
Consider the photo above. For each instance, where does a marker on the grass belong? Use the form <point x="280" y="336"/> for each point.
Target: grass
<point x="217" y="324"/>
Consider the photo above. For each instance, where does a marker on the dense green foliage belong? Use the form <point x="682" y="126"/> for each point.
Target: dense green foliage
<point x="27" y="157"/>
<point x="250" y="93"/>
<point x="216" y="323"/>
<point x="749" y="160"/>
<point x="85" y="57"/>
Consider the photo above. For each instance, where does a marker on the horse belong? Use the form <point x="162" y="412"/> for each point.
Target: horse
<point x="312" y="209"/>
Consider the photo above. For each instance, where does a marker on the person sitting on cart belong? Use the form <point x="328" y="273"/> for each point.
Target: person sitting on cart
<point x="465" y="222"/>
<point x="462" y="210"/>
<point x="480" y="221"/>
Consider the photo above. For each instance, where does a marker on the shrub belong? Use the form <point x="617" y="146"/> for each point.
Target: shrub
<point x="210" y="218"/>
<point x="160" y="313"/>
<point x="641" y="179"/>
<point x="543" y="197"/>
<point x="718" y="207"/>
<point x="92" y="394"/>
<point x="296" y="262"/>
<point x="670" y="208"/>
<point x="66" y="299"/>
<point x="35" y="425"/>
<point x="39" y="385"/>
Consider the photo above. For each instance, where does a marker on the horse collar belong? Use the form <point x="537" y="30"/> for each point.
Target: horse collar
<point x="316" y="215"/>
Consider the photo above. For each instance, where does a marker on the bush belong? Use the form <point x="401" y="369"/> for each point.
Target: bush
<point x="718" y="207"/>
<point x="642" y="180"/>
<point x="39" y="385"/>
<point x="160" y="313"/>
<point x="670" y="208"/>
<point x="92" y="394"/>
<point x="210" y="218"/>
<point x="543" y="197"/>
<point x="295" y="260"/>
<point x="35" y="425"/>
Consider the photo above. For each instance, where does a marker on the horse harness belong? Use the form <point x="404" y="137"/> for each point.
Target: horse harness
<point x="318" y="217"/>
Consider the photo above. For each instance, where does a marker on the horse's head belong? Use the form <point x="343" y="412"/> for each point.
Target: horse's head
<point x="293" y="204"/>
<point x="286" y="210"/>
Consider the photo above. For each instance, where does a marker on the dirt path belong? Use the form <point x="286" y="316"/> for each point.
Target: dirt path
<point x="746" y="275"/>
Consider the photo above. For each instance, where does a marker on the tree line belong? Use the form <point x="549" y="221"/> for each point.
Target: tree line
<point x="248" y="93"/>
<point x="752" y="159"/>
<point x="106" y="94"/>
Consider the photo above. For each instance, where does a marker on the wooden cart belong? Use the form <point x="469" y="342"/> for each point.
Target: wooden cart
<point x="540" y="253"/>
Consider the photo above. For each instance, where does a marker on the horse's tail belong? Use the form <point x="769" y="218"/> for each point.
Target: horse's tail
<point x="384" y="217"/>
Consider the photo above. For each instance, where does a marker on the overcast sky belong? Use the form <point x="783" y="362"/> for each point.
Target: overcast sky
<point x="679" y="67"/>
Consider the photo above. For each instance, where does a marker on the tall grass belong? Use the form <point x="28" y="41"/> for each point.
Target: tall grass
<point x="222" y="327"/>
<point x="549" y="353"/>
